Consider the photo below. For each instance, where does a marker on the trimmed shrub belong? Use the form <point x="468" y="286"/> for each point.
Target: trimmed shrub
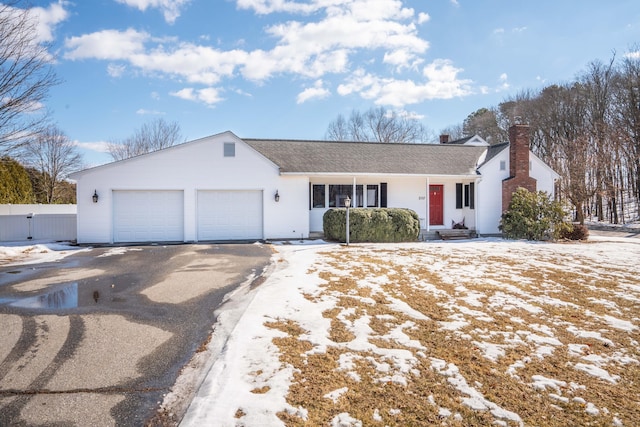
<point x="577" y="232"/>
<point x="533" y="216"/>
<point x="381" y="225"/>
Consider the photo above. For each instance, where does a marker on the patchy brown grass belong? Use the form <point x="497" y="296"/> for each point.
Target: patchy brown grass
<point x="526" y="309"/>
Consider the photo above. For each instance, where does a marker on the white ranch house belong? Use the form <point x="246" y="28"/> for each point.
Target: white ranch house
<point x="223" y="187"/>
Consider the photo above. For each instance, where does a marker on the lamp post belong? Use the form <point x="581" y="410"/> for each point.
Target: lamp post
<point x="347" y="204"/>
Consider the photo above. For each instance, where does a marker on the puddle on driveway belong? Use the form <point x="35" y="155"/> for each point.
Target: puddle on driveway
<point x="59" y="298"/>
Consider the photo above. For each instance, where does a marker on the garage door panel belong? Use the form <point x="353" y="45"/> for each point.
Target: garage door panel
<point x="148" y="216"/>
<point x="230" y="215"/>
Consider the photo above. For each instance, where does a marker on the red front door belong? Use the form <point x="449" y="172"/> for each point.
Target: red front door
<point x="436" y="208"/>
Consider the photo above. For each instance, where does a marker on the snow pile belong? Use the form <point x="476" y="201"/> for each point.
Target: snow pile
<point x="25" y="253"/>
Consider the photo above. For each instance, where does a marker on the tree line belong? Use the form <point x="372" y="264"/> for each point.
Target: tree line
<point x="587" y="130"/>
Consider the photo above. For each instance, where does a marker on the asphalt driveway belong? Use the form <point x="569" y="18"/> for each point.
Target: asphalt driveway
<point x="100" y="337"/>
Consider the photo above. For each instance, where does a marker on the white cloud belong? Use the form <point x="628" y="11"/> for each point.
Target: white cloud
<point x="264" y="7"/>
<point x="332" y="40"/>
<point x="441" y="83"/>
<point x="519" y="29"/>
<point x="144" y="112"/>
<point x="633" y="55"/>
<point x="402" y="59"/>
<point x="48" y="18"/>
<point x="170" y="8"/>
<point x="498" y="31"/>
<point x="318" y="91"/>
<point x="411" y="115"/>
<point x="116" y="70"/>
<point x="209" y="96"/>
<point x="504" y="82"/>
<point x="100" y="146"/>
<point x="423" y="17"/>
<point x="107" y="44"/>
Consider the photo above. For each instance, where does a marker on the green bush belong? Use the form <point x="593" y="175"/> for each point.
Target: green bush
<point x="372" y="225"/>
<point x="533" y="216"/>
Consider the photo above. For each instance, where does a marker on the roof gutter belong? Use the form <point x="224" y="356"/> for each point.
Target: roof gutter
<point x="472" y="175"/>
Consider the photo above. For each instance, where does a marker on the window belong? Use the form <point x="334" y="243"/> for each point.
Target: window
<point x="318" y="196"/>
<point x="229" y="149"/>
<point x="359" y="197"/>
<point x="333" y="195"/>
<point x="372" y="196"/>
<point x="465" y="195"/>
<point x="338" y="194"/>
<point x="469" y="195"/>
<point x="503" y="165"/>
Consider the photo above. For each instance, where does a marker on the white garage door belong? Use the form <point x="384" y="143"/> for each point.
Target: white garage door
<point x="148" y="216"/>
<point x="229" y="215"/>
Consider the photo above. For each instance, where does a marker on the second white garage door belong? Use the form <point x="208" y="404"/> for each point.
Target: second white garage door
<point x="229" y="215"/>
<point x="148" y="216"/>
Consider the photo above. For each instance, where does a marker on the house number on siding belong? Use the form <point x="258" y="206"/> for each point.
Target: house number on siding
<point x="422" y="197"/>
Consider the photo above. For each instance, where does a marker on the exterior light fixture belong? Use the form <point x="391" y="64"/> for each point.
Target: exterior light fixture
<point x="95" y="196"/>
<point x="277" y="196"/>
<point x="347" y="204"/>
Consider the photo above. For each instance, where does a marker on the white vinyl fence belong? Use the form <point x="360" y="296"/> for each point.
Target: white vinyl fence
<point x="37" y="222"/>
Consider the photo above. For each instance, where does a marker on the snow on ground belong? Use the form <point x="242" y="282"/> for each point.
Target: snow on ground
<point x="475" y="332"/>
<point x="34" y="252"/>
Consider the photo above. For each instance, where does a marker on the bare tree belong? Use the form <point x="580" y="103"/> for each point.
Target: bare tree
<point x="377" y="125"/>
<point x="484" y="123"/>
<point x="54" y="156"/>
<point x="626" y="121"/>
<point x="454" y="132"/>
<point x="26" y="75"/>
<point x="152" y="136"/>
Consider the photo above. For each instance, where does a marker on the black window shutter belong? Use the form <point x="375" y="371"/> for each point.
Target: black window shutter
<point x="459" y="195"/>
<point x="383" y="194"/>
<point x="472" y="195"/>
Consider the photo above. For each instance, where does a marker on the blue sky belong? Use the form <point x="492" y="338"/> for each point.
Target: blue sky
<point x="287" y="68"/>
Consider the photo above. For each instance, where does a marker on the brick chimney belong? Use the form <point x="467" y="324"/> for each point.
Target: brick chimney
<point x="444" y="139"/>
<point x="518" y="164"/>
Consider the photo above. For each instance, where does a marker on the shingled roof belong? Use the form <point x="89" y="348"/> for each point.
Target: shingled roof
<point x="317" y="157"/>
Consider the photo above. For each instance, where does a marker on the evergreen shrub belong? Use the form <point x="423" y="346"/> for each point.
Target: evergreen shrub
<point x="378" y="225"/>
<point x="534" y="216"/>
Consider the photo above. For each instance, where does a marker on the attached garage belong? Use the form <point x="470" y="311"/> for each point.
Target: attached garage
<point x="229" y="215"/>
<point x="148" y="216"/>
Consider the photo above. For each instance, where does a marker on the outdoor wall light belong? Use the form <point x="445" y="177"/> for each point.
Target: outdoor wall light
<point x="277" y="196"/>
<point x="95" y="196"/>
